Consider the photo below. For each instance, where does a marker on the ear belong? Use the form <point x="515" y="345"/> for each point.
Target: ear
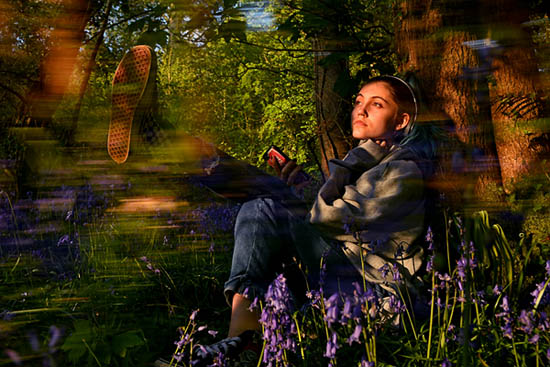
<point x="402" y="121"/>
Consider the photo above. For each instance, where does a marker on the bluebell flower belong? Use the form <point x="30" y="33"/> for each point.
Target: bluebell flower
<point x="507" y="317"/>
<point x="276" y="318"/>
<point x="55" y="337"/>
<point x="430" y="264"/>
<point x="446" y="363"/>
<point x="430" y="239"/>
<point x="384" y="270"/>
<point x="526" y="322"/>
<point x="396" y="305"/>
<point x="544" y="298"/>
<point x="543" y="322"/>
<point x="14" y="357"/>
<point x="332" y="309"/>
<point x="347" y="311"/>
<point x="354" y="337"/>
<point x="332" y="346"/>
<point x="396" y="275"/>
<point x="534" y="339"/>
<point x="366" y="363"/>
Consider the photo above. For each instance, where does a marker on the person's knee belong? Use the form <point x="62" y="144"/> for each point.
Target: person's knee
<point x="260" y="207"/>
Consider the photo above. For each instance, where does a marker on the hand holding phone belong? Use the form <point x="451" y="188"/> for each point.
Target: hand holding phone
<point x="286" y="168"/>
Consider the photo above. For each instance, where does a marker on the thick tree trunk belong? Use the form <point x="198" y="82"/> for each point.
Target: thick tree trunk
<point x="332" y="109"/>
<point x="515" y="97"/>
<point x="88" y="72"/>
<point x="441" y="59"/>
<point x="58" y="65"/>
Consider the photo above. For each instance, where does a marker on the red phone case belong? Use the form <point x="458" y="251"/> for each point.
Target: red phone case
<point x="274" y="154"/>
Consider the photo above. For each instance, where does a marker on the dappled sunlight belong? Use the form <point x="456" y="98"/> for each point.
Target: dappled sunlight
<point x="148" y="205"/>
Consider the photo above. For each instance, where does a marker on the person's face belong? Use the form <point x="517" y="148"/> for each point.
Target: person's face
<point x="376" y="114"/>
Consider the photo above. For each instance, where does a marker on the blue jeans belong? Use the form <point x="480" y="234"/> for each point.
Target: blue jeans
<point x="272" y="238"/>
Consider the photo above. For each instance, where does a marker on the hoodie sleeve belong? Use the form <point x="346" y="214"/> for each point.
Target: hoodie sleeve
<point x="377" y="204"/>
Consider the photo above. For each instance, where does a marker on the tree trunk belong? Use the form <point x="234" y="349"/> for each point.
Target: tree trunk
<point x="332" y="109"/>
<point x="515" y="98"/>
<point x="58" y="65"/>
<point x="440" y="59"/>
<point x="88" y="72"/>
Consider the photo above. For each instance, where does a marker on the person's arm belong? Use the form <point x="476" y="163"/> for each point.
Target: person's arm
<point x="380" y="201"/>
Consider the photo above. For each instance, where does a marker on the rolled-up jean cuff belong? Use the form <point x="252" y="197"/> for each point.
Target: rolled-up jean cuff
<point x="242" y="286"/>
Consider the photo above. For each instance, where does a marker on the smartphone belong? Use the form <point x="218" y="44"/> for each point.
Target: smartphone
<point x="274" y="154"/>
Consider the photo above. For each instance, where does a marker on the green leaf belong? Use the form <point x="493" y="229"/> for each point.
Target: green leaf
<point x="233" y="29"/>
<point x="137" y="25"/>
<point x="153" y="38"/>
<point x="122" y="342"/>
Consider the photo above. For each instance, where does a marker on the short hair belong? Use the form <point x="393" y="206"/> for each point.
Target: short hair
<point x="403" y="95"/>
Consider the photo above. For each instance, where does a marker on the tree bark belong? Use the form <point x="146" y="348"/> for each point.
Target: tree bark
<point x="88" y="72"/>
<point x="332" y="109"/>
<point x="431" y="41"/>
<point x="58" y="65"/>
<point x="515" y="95"/>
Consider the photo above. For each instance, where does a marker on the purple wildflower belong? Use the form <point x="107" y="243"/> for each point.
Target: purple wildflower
<point x="354" y="337"/>
<point x="213" y="332"/>
<point x="451" y="333"/>
<point x="547" y="267"/>
<point x="347" y="311"/>
<point x="56" y="334"/>
<point x="202" y="327"/>
<point x="526" y="321"/>
<point x="445" y="280"/>
<point x="544" y="322"/>
<point x="430" y="239"/>
<point x="461" y="266"/>
<point x="544" y="297"/>
<point x="534" y="339"/>
<point x="497" y="290"/>
<point x="33" y="341"/>
<point x="506" y="316"/>
<point x="315" y="298"/>
<point x="64" y="239"/>
<point x="384" y="270"/>
<point x="446" y="363"/>
<point x="396" y="305"/>
<point x="548" y="354"/>
<point x="481" y="298"/>
<point x="396" y="275"/>
<point x="253" y="304"/>
<point x="13" y="356"/>
<point x="332" y="309"/>
<point x="220" y="361"/>
<point x="430" y="264"/>
<point x="276" y="318"/>
<point x="366" y="363"/>
<point x="332" y="346"/>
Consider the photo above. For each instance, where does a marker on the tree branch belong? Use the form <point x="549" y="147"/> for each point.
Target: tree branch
<point x="14" y="92"/>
